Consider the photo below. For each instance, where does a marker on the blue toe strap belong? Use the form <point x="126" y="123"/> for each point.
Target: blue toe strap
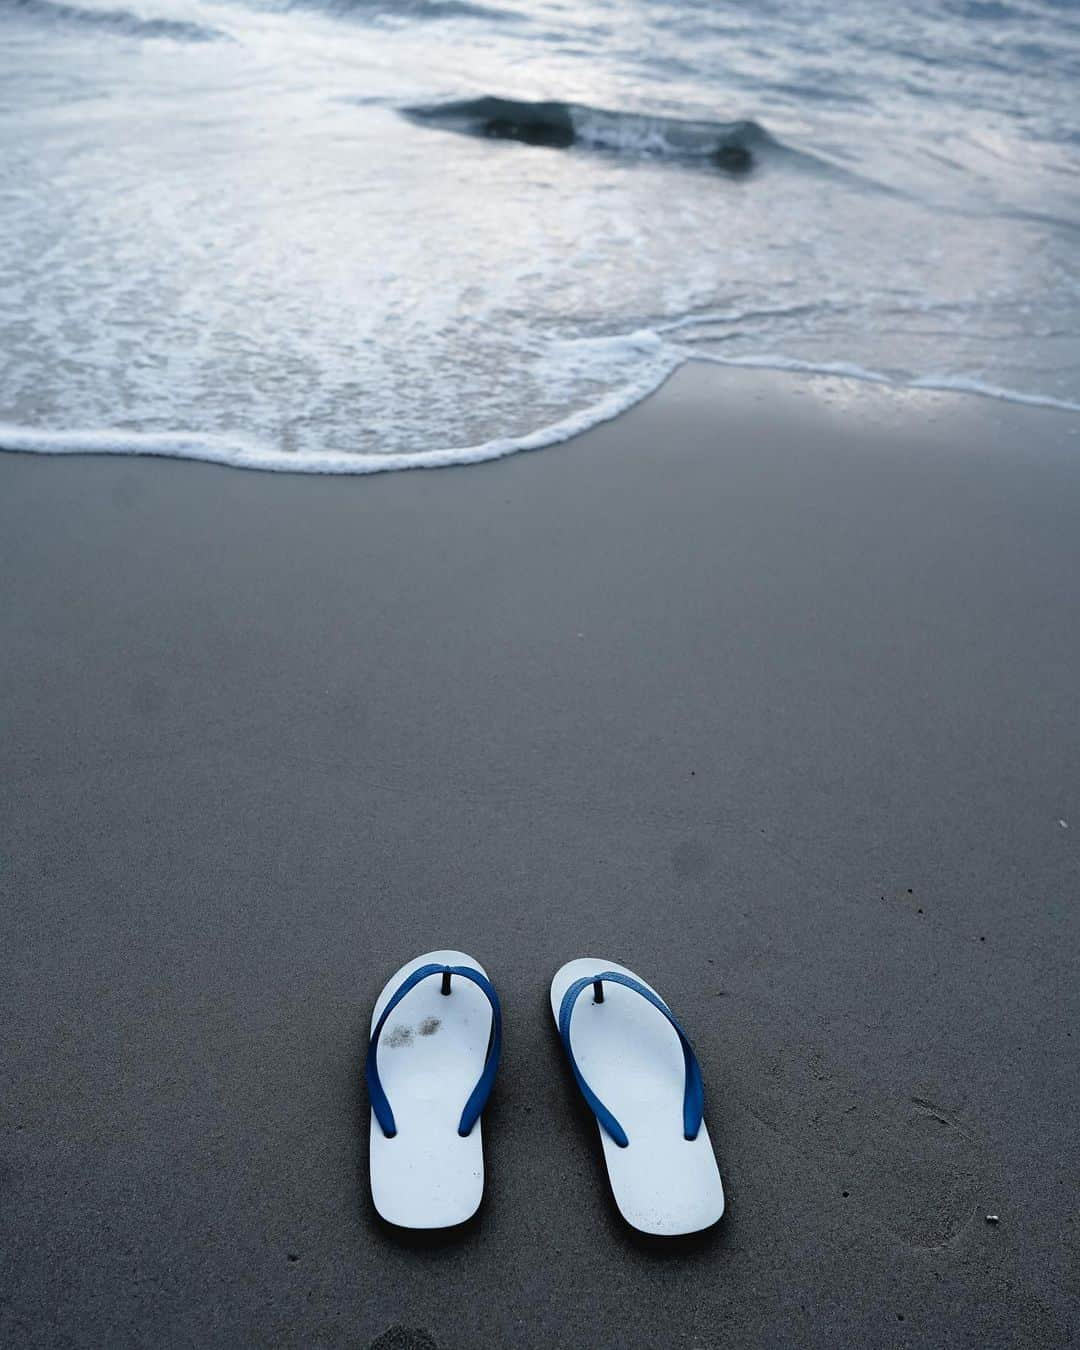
<point x="480" y="1093"/>
<point x="694" y="1092"/>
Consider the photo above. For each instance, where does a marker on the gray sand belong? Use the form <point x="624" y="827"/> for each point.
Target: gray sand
<point x="769" y="690"/>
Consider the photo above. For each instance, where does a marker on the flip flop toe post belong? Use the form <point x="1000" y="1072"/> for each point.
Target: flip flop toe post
<point x="638" y="1073"/>
<point x="436" y="1033"/>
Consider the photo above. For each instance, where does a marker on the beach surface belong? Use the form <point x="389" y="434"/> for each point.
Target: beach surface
<point x="767" y="690"/>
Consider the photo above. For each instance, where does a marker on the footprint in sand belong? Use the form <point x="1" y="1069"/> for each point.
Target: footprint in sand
<point x="935" y="1174"/>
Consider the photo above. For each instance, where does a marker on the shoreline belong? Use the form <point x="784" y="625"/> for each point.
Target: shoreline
<point x="243" y="454"/>
<point x="765" y="688"/>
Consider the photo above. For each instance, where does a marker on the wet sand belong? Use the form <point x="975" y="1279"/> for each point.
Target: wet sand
<point x="768" y="690"/>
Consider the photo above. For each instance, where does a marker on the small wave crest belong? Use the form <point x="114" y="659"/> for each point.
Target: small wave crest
<point x="121" y="21"/>
<point x="731" y="146"/>
<point x="400" y="11"/>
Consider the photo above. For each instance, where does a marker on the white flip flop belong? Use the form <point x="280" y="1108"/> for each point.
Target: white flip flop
<point x="638" y="1073"/>
<point x="436" y="1033"/>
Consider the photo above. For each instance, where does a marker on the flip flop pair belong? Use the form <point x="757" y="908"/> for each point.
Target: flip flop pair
<point x="436" y="1035"/>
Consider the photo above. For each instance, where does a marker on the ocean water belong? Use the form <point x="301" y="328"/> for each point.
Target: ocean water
<point x="348" y="235"/>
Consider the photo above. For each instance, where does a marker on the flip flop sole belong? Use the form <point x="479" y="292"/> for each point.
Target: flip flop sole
<point x="430" y="1055"/>
<point x="631" y="1057"/>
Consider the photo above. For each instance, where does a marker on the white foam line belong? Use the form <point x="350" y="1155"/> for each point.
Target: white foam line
<point x="963" y="384"/>
<point x="952" y="384"/>
<point x="771" y="361"/>
<point x="243" y="454"/>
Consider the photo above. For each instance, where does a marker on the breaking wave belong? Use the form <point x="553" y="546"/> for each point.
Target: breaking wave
<point x="120" y="21"/>
<point x="399" y="11"/>
<point x="732" y="146"/>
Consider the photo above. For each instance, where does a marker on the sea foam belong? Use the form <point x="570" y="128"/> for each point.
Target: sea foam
<point x="249" y="256"/>
<point x="659" y="360"/>
<point x="241" y="453"/>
